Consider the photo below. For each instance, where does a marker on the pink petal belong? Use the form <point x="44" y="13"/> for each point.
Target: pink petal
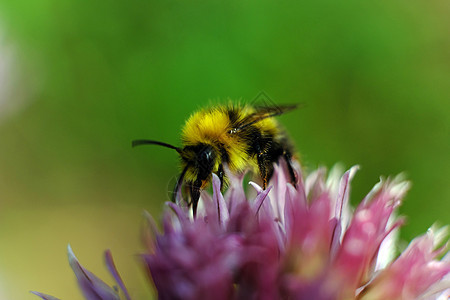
<point x="362" y="240"/>
<point x="341" y="210"/>
<point x="344" y="191"/>
<point x="149" y="232"/>
<point x="179" y="213"/>
<point x="222" y="210"/>
<point x="279" y="183"/>
<point x="260" y="198"/>
<point x="315" y="183"/>
<point x="235" y="192"/>
<point x="415" y="273"/>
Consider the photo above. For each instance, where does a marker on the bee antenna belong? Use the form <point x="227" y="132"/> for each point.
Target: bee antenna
<point x="150" y="142"/>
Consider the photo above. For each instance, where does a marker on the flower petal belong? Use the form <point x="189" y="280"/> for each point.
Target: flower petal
<point x="362" y="240"/>
<point x="149" y="232"/>
<point x="341" y="210"/>
<point x="279" y="183"/>
<point x="223" y="214"/>
<point x="296" y="242"/>
<point x="44" y="296"/>
<point x="341" y="213"/>
<point x="414" y="273"/>
<point x="113" y="270"/>
<point x="260" y="198"/>
<point x="92" y="287"/>
<point x="235" y="192"/>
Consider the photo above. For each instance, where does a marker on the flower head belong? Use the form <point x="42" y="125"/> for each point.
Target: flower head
<point x="300" y="243"/>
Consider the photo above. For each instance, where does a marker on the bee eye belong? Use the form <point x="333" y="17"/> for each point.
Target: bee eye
<point x="205" y="156"/>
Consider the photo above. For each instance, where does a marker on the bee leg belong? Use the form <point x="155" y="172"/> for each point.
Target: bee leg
<point x="195" y="195"/>
<point x="263" y="170"/>
<point x="221" y="174"/>
<point x="292" y="174"/>
<point x="176" y="196"/>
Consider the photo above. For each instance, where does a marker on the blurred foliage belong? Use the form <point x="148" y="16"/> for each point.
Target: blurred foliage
<point x="374" y="77"/>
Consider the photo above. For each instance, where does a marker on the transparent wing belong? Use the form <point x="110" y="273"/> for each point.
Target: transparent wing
<point x="264" y="112"/>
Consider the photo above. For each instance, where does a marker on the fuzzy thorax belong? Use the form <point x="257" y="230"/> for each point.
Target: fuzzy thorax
<point x="215" y="127"/>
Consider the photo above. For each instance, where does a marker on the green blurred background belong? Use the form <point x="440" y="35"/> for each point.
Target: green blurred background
<point x="80" y="79"/>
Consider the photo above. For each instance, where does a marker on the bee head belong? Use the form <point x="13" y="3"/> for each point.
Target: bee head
<point x="200" y="160"/>
<point x="198" y="163"/>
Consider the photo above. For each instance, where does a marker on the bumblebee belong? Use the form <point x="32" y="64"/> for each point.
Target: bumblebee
<point x="238" y="137"/>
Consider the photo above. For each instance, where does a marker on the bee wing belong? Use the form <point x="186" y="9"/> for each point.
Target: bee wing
<point x="264" y="112"/>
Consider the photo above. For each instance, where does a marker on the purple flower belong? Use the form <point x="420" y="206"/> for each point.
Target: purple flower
<point x="286" y="242"/>
<point x="294" y="243"/>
